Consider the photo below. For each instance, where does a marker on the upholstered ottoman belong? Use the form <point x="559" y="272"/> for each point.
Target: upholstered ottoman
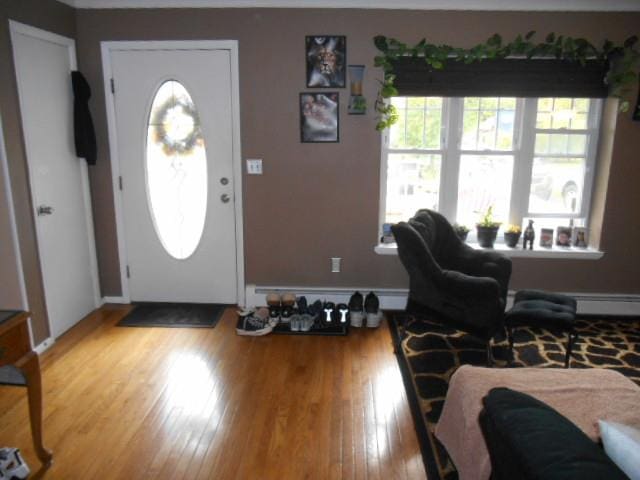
<point x="551" y="311"/>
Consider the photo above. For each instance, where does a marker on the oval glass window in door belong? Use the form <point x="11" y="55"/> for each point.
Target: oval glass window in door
<point x="176" y="168"/>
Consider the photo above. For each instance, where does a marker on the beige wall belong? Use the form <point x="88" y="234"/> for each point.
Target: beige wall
<point x="58" y="18"/>
<point x="315" y="201"/>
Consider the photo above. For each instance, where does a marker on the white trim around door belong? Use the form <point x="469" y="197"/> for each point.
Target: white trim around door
<point x="232" y="47"/>
<point x="17" y="28"/>
<point x="4" y="167"/>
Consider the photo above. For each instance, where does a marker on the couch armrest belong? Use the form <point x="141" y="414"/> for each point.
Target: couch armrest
<point x="527" y="439"/>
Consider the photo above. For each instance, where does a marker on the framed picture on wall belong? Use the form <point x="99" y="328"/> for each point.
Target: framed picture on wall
<point x="326" y="59"/>
<point x="319" y="119"/>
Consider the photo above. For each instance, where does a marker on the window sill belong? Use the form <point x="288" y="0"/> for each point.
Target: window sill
<point x="538" y="252"/>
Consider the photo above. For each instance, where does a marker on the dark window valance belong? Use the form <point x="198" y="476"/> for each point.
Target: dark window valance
<point x="508" y="77"/>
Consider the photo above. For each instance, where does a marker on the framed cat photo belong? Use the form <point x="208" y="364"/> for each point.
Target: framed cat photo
<point x="319" y="119"/>
<point x="326" y="59"/>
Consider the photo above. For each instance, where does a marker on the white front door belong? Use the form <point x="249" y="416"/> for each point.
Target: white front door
<point x="174" y="127"/>
<point x="59" y="184"/>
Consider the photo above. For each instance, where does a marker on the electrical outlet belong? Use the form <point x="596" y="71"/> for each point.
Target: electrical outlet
<point x="254" y="166"/>
<point x="335" y="264"/>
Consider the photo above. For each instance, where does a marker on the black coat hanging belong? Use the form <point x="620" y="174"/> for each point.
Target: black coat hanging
<point x="84" y="132"/>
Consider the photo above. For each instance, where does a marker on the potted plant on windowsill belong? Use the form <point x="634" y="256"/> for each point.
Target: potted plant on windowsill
<point x="512" y="235"/>
<point x="487" y="229"/>
<point x="461" y="231"/>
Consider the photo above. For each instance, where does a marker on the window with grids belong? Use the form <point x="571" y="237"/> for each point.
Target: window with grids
<point x="528" y="158"/>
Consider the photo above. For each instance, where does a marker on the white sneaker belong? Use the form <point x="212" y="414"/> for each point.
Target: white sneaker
<point x="12" y="465"/>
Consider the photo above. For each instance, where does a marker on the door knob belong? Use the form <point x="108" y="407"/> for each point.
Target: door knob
<point x="44" y="210"/>
<point x="224" y="198"/>
<point x="224" y="180"/>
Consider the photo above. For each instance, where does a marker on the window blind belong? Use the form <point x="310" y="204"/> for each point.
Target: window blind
<point x="505" y="77"/>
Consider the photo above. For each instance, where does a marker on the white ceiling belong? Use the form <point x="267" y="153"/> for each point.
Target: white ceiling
<point x="522" y="5"/>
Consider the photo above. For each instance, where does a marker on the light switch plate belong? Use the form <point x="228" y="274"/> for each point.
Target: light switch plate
<point x="335" y="264"/>
<point x="254" y="166"/>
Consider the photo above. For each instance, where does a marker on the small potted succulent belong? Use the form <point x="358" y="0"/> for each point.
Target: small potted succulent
<point x="487" y="229"/>
<point x="461" y="230"/>
<point x="512" y="235"/>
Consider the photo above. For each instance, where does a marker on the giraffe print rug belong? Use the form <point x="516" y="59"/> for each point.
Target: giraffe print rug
<point x="429" y="353"/>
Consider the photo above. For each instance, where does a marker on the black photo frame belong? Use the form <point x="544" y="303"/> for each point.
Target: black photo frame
<point x="319" y="117"/>
<point x="326" y="60"/>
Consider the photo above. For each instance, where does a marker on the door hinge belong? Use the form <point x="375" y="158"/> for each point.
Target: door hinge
<point x="120" y="182"/>
<point x="128" y="272"/>
<point x="113" y="86"/>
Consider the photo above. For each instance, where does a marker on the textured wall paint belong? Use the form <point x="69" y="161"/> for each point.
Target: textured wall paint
<point x="57" y="18"/>
<point x="318" y="201"/>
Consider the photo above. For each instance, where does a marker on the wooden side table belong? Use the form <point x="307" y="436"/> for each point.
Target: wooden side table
<point x="15" y="350"/>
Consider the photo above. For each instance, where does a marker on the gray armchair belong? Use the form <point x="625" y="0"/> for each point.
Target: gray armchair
<point x="457" y="284"/>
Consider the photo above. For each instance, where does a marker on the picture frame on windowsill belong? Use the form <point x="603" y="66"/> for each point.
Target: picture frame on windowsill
<point x="563" y="237"/>
<point x="546" y="237"/>
<point x="580" y="237"/>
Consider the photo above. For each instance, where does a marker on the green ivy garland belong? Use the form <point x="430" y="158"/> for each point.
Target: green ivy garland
<point x="621" y="76"/>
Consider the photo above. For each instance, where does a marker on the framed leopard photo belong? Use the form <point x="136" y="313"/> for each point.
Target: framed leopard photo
<point x="326" y="59"/>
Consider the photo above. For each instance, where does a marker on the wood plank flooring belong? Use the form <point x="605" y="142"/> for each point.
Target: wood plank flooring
<point x="153" y="403"/>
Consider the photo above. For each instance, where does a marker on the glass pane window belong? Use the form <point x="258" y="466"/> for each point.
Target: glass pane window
<point x="485" y="180"/>
<point x="176" y="167"/>
<point x="488" y="123"/>
<point x="525" y="157"/>
<point x="413" y="182"/>
<point x="569" y="113"/>
<point x="419" y="123"/>
<point x="561" y="144"/>
<point x="556" y="185"/>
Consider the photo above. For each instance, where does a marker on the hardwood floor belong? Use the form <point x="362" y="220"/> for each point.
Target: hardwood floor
<point x="130" y="403"/>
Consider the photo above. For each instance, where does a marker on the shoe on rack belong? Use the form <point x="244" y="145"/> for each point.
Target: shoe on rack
<point x="255" y="324"/>
<point x="288" y="300"/>
<point x="295" y="322"/>
<point x="372" y="310"/>
<point x="356" y="310"/>
<point x="275" y="307"/>
<point x="12" y="465"/>
<point x="342" y="313"/>
<point x="306" y="322"/>
<point x="328" y="313"/>
<point x="302" y="305"/>
<point x="286" y="313"/>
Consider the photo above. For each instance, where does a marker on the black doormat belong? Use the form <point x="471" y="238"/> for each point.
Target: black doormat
<point x="174" y="315"/>
<point x="429" y="353"/>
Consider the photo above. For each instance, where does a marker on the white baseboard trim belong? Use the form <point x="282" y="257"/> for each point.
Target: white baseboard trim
<point x="44" y="345"/>
<point x="114" y="300"/>
<point x="396" y="298"/>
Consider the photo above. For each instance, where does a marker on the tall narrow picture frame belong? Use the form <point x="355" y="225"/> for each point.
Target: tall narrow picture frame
<point x="319" y="117"/>
<point x="326" y="59"/>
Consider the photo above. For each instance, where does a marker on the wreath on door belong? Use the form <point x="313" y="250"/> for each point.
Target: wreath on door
<point x="177" y="126"/>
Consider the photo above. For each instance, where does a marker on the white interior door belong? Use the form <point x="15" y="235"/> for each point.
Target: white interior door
<point x="174" y="129"/>
<point x="59" y="185"/>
